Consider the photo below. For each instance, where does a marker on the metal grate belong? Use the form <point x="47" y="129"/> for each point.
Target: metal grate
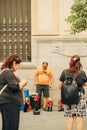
<point x="15" y="28"/>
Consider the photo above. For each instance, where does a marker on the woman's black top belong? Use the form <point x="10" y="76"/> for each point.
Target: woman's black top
<point x="12" y="93"/>
<point x="81" y="78"/>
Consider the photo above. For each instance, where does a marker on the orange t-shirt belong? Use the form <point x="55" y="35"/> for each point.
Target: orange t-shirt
<point x="43" y="76"/>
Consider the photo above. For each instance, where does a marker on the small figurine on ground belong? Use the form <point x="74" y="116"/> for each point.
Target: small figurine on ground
<point x="50" y="104"/>
<point x="60" y="105"/>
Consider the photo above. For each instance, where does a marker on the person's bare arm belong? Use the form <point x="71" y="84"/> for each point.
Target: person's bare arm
<point x="51" y="81"/>
<point x="85" y="84"/>
<point x="60" y="84"/>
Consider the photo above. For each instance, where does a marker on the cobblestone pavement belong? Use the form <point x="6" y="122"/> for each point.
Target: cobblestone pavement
<point x="45" y="121"/>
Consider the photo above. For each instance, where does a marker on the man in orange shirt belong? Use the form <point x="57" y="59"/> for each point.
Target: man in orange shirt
<point x="43" y="80"/>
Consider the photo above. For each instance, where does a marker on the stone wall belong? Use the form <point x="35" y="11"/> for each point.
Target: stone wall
<point x="56" y="51"/>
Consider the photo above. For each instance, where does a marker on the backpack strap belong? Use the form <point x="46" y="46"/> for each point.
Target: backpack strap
<point x="5" y="86"/>
<point x="3" y="89"/>
<point x="66" y="75"/>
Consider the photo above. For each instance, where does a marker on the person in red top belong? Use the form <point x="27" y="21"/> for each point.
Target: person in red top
<point x="43" y="81"/>
<point x="50" y="104"/>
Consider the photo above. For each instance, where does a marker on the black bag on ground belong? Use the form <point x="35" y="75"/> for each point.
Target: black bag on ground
<point x="32" y="102"/>
<point x="69" y="91"/>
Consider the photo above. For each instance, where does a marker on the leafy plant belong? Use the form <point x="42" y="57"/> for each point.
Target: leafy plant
<point x="78" y="17"/>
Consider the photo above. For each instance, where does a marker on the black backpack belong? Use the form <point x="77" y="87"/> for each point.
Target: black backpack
<point x="69" y="91"/>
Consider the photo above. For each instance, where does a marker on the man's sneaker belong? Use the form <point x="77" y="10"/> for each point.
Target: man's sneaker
<point x="44" y="109"/>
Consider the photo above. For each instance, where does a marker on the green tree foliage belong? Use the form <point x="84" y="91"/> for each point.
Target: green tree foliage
<point x="78" y="17"/>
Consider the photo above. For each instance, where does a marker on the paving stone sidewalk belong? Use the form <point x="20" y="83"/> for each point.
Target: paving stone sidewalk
<point x="45" y="121"/>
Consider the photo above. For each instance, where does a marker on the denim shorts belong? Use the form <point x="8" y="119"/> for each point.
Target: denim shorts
<point x="42" y="89"/>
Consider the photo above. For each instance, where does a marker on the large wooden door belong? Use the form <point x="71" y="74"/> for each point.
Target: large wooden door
<point x="15" y="28"/>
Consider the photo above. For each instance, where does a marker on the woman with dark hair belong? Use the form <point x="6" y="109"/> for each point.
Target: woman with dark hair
<point x="11" y="97"/>
<point x="78" y="111"/>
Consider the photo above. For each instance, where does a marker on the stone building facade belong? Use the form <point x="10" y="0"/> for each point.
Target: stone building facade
<point x="51" y="41"/>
